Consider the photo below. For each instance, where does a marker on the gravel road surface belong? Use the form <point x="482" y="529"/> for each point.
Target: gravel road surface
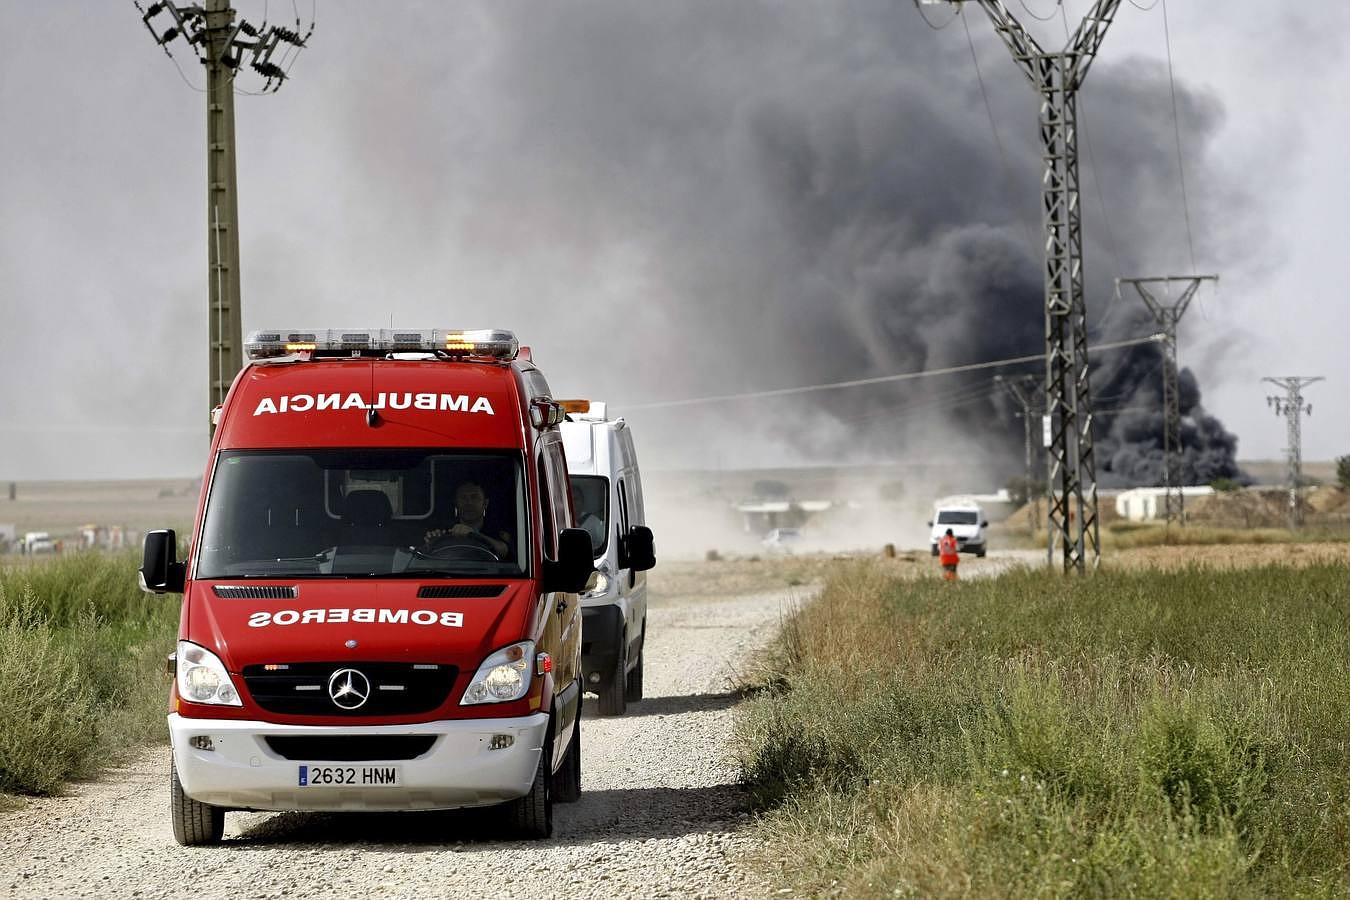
<point x="661" y="813"/>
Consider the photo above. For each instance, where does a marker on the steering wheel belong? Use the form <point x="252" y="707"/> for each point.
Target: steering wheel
<point x="468" y="548"/>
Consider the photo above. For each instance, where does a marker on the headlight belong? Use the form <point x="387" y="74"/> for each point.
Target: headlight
<point x="503" y="676"/>
<point x="600" y="586"/>
<point x="202" y="677"/>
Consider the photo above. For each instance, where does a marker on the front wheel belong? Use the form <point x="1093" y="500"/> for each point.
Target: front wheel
<point x="980" y="553"/>
<point x="531" y="816"/>
<point x="567" y="780"/>
<point x="633" y="690"/>
<point x="194" y="824"/>
<point x="612" y="693"/>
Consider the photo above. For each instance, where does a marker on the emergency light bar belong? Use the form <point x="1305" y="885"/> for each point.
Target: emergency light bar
<point x="486" y="344"/>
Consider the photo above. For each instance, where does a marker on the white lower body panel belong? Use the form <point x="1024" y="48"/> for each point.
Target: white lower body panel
<point x="460" y="769"/>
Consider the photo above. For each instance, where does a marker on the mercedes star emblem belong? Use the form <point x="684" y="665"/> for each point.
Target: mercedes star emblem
<point x="349" y="688"/>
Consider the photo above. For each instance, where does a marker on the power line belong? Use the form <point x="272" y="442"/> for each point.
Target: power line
<point x="998" y="141"/>
<point x="901" y="411"/>
<point x="923" y="15"/>
<point x="1039" y="18"/>
<point x="880" y="379"/>
<point x="1176" y="127"/>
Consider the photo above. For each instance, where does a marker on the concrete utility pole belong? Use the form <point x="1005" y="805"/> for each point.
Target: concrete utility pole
<point x="1072" y="519"/>
<point x="220" y="44"/>
<point x="1168" y="316"/>
<point x="1022" y="389"/>
<point x="1292" y="407"/>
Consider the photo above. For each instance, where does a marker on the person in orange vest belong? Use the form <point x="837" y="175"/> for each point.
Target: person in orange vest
<point x="948" y="555"/>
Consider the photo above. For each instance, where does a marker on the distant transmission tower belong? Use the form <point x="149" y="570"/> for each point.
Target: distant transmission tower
<point x="1022" y="389"/>
<point x="221" y="44"/>
<point x="1292" y="407"/>
<point x="1058" y="76"/>
<point x="1167" y="317"/>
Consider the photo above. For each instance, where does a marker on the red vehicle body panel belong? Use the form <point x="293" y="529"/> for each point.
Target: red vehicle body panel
<point x="247" y="421"/>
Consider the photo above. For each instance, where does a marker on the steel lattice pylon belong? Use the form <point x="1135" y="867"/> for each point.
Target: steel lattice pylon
<point x="1292" y="407"/>
<point x="1072" y="468"/>
<point x="1167" y="317"/>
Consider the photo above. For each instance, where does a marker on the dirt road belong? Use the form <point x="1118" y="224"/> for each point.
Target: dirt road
<point x="661" y="813"/>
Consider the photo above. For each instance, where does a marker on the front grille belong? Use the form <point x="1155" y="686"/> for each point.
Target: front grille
<point x="352" y="747"/>
<point x="395" y="689"/>
<point x="257" y="591"/>
<point x="459" y="591"/>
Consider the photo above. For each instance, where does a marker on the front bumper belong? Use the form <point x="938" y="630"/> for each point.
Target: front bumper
<point x="243" y="772"/>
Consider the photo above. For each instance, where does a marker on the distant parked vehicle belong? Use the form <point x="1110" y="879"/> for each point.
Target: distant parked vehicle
<point x="782" y="540"/>
<point x="36" y="543"/>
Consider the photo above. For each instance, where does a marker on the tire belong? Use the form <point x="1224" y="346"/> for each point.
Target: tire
<point x="531" y="816"/>
<point x="567" y="780"/>
<point x="194" y="824"/>
<point x="612" y="693"/>
<point x="633" y="688"/>
<point x="980" y="552"/>
<point x="933" y="547"/>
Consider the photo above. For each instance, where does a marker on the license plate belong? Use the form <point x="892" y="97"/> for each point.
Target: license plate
<point x="350" y="776"/>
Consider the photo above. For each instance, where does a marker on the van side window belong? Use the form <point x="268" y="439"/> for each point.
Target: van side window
<point x="549" y="539"/>
<point x="624" y="526"/>
<point x="558" y="486"/>
<point x="623" y="508"/>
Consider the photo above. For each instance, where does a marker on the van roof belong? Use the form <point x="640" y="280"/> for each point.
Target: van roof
<point x="418" y="403"/>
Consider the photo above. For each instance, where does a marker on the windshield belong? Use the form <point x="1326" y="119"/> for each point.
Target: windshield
<point x="590" y="502"/>
<point x="367" y="513"/>
<point x="958" y="517"/>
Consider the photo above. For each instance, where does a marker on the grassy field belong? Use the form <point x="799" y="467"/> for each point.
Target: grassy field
<point x="81" y="667"/>
<point x="1148" y="733"/>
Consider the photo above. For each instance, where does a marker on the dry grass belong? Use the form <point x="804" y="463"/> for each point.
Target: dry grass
<point x="1132" y="734"/>
<point x="741" y="575"/>
<point x="1228" y="556"/>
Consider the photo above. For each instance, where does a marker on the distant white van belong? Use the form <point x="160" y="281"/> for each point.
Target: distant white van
<point x="607" y="500"/>
<point x="782" y="540"/>
<point x="966" y="520"/>
<point x="37" y="542"/>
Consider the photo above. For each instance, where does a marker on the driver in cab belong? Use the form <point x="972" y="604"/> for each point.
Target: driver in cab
<point x="471" y="505"/>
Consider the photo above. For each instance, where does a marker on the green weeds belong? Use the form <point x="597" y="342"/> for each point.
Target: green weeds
<point x="81" y="661"/>
<point x="1177" y="734"/>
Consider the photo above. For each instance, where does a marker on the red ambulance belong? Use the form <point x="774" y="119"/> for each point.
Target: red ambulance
<point x="380" y="594"/>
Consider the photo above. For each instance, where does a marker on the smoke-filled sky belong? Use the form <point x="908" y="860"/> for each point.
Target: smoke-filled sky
<point x="665" y="200"/>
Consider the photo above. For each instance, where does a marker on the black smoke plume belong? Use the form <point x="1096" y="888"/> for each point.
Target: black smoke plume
<point x="703" y="198"/>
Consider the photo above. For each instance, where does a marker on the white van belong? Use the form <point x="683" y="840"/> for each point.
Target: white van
<point x="607" y="499"/>
<point x="966" y="520"/>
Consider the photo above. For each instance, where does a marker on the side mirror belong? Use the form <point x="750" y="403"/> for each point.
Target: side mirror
<point x="637" y="549"/>
<point x="930" y="524"/>
<point x="572" y="571"/>
<point x="161" y="572"/>
<point x="984" y="524"/>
